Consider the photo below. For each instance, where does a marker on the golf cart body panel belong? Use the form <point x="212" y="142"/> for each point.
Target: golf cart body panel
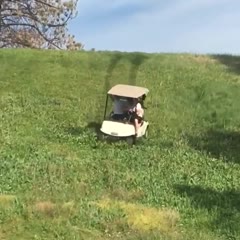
<point x="143" y="129"/>
<point x="118" y="129"/>
<point x="121" y="129"/>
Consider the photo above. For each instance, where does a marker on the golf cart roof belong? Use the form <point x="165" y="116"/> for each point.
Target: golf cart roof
<point x="125" y="90"/>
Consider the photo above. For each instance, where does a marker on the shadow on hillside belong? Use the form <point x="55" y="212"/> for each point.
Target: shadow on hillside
<point x="76" y="131"/>
<point x="225" y="206"/>
<point x="94" y="126"/>
<point x="218" y="144"/>
<point x="134" y="59"/>
<point x="232" y="62"/>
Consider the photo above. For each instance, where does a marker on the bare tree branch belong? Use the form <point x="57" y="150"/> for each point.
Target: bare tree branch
<point x="37" y="23"/>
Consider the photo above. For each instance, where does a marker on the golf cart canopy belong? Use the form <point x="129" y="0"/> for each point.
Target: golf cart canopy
<point x="130" y="91"/>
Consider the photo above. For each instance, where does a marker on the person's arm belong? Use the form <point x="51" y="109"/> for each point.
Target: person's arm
<point x="139" y="109"/>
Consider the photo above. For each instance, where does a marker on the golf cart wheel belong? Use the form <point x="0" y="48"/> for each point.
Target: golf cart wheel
<point x="101" y="136"/>
<point x="131" y="140"/>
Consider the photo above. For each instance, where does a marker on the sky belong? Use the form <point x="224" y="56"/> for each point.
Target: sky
<point x="159" y="26"/>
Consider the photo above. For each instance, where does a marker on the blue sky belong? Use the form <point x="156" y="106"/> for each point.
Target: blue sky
<point x="193" y="26"/>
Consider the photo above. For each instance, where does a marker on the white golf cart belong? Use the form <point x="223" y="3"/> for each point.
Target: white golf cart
<point x="123" y="127"/>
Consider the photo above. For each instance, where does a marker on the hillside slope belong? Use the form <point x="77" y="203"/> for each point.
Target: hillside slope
<point x="59" y="182"/>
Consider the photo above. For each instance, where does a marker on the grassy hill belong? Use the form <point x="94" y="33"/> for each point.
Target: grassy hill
<point x="59" y="182"/>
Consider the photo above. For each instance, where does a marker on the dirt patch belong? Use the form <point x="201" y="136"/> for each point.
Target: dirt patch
<point x="145" y="219"/>
<point x="2" y="236"/>
<point x="53" y="210"/>
<point x="47" y="208"/>
<point x="6" y="200"/>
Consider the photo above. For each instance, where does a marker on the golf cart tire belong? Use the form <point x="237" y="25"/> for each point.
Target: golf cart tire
<point x="131" y="140"/>
<point x="101" y="136"/>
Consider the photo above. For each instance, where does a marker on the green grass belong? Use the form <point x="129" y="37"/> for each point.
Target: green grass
<point x="58" y="182"/>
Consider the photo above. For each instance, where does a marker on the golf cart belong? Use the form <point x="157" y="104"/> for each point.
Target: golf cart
<point x="122" y="127"/>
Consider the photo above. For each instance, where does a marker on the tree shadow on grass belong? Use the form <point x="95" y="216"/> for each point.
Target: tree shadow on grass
<point x="225" y="206"/>
<point x="219" y="144"/>
<point x="232" y="62"/>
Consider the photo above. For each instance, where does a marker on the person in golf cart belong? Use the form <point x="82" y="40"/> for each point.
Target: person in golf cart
<point x="120" y="108"/>
<point x="137" y="112"/>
